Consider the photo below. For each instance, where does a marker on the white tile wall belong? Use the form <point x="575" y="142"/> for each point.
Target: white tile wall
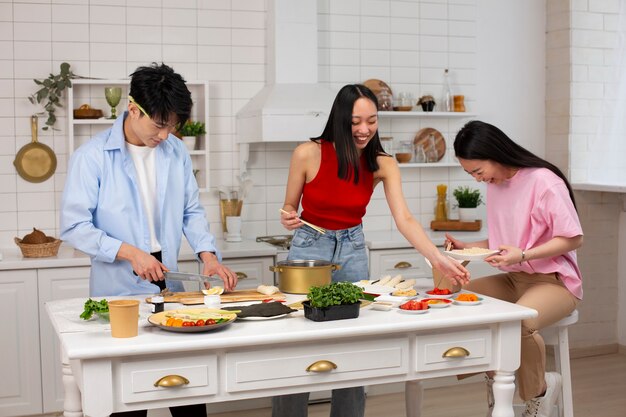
<point x="407" y="43"/>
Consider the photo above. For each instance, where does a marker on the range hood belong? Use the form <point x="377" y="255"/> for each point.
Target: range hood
<point x="292" y="106"/>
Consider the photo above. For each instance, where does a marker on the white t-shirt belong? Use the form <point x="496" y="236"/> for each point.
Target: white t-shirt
<point x="144" y="158"/>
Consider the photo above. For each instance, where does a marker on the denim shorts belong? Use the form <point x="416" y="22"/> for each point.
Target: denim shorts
<point x="344" y="247"/>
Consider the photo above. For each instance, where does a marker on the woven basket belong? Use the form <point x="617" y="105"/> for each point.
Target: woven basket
<point x="39" y="250"/>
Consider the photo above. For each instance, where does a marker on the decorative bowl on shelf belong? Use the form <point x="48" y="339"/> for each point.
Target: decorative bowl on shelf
<point x="86" y="112"/>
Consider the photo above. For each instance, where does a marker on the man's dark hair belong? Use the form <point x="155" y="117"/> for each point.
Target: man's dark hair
<point x="160" y="92"/>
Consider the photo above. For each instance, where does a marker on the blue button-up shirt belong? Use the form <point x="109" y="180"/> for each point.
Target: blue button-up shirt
<point x="101" y="208"/>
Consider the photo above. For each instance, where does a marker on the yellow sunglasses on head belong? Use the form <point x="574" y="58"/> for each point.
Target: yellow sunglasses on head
<point x="173" y="128"/>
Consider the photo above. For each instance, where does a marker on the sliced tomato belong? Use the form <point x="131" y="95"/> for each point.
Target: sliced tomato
<point x="200" y="322"/>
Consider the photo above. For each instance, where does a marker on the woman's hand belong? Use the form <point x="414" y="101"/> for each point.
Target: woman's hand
<point x="290" y="220"/>
<point x="144" y="264"/>
<point x="452" y="243"/>
<point x="508" y="255"/>
<point x="451" y="269"/>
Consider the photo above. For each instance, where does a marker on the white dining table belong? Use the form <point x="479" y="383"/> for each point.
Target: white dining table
<point x="253" y="359"/>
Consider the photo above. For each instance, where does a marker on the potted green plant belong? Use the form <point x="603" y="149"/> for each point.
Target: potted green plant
<point x="50" y="92"/>
<point x="190" y="132"/>
<point x="335" y="301"/>
<point x="468" y="199"/>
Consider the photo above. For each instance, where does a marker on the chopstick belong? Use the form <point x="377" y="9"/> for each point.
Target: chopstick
<point x="311" y="225"/>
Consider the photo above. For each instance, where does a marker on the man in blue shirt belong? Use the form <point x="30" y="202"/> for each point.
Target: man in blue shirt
<point x="130" y="194"/>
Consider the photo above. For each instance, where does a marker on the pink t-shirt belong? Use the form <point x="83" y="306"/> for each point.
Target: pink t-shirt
<point x="528" y="210"/>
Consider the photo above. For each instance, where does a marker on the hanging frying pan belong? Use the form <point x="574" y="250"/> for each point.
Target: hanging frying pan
<point x="35" y="162"/>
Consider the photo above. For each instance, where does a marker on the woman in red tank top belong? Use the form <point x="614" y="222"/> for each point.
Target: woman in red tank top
<point x="334" y="176"/>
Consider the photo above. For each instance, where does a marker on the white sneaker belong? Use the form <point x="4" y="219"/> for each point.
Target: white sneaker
<point x="542" y="406"/>
<point x="490" y="401"/>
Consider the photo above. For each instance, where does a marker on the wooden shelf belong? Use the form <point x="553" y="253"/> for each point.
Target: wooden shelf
<point x="424" y="114"/>
<point x="456" y="225"/>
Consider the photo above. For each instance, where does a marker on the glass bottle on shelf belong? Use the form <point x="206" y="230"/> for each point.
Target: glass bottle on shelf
<point x="385" y="99"/>
<point x="446" y="100"/>
<point x="431" y="150"/>
<point x="420" y="154"/>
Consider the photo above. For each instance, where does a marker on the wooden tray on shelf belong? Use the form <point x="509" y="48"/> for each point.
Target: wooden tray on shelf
<point x="457" y="225"/>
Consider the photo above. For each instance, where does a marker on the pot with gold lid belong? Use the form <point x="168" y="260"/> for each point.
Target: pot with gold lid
<point x="297" y="276"/>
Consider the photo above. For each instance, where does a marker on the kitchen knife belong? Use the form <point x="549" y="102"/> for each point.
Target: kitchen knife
<point x="186" y="276"/>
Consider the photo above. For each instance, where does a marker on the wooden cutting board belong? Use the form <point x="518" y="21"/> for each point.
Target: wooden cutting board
<point x="196" y="297"/>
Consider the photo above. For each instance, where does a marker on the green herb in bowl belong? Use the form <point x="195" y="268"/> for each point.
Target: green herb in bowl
<point x="95" y="307"/>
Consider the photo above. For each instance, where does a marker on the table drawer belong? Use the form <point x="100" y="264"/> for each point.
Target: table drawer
<point x="407" y="262"/>
<point x="265" y="368"/>
<point x="137" y="378"/>
<point x="435" y="352"/>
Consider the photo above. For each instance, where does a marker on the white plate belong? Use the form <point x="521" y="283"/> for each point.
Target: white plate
<point x="256" y="318"/>
<point x="412" y="311"/>
<point x="376" y="289"/>
<point x="393" y="299"/>
<point x="427" y="294"/>
<point x="461" y="256"/>
<point x="382" y="306"/>
<point x="441" y="304"/>
<point x="467" y="303"/>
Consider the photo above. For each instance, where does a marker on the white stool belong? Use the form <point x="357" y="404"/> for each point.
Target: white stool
<point x="557" y="337"/>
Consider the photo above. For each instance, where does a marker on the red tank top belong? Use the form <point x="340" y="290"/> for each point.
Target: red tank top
<point x="331" y="202"/>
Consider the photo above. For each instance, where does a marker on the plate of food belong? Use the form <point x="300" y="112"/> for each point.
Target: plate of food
<point x="437" y="302"/>
<point x="467" y="299"/>
<point x="441" y="293"/>
<point x="413" y="307"/>
<point x="203" y="319"/>
<point x="471" y="254"/>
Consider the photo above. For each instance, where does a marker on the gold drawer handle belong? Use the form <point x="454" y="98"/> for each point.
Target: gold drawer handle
<point x="170" y="381"/>
<point x="402" y="265"/>
<point x="321" y="366"/>
<point x="241" y="275"/>
<point x="456" y="352"/>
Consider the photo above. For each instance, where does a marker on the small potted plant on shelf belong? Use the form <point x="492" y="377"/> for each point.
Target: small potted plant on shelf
<point x="335" y="301"/>
<point x="190" y="132"/>
<point x="468" y="200"/>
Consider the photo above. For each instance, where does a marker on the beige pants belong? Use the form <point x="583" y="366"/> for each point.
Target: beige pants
<point x="542" y="292"/>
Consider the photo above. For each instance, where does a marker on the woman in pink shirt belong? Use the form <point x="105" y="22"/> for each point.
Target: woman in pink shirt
<point x="533" y="221"/>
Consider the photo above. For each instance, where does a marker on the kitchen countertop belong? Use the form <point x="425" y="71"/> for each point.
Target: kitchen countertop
<point x="70" y="257"/>
<point x="389" y="239"/>
<point x="248" y="248"/>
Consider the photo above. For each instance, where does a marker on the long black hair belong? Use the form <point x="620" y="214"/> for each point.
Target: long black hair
<point x="161" y="92"/>
<point x="338" y="130"/>
<point x="480" y="140"/>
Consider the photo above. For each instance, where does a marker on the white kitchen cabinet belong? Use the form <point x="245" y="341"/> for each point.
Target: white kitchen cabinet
<point x="407" y="262"/>
<point x="91" y="92"/>
<point x="252" y="272"/>
<point x="30" y="349"/>
<point x="56" y="284"/>
<point x="20" y="384"/>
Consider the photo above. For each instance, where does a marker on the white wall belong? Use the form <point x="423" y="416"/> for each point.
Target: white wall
<point x="511" y="69"/>
<point x="404" y="42"/>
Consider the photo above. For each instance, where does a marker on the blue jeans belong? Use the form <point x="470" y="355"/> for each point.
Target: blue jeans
<point x="346" y="402"/>
<point x="344" y="247"/>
